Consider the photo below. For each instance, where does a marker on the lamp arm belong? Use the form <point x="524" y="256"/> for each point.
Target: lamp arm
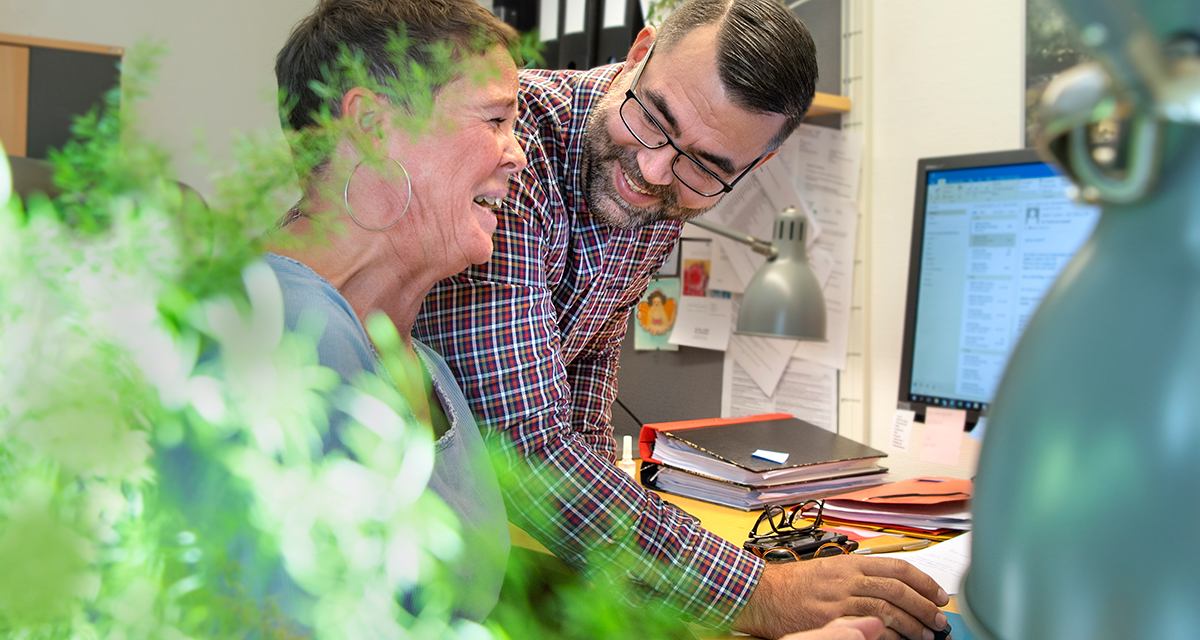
<point x="757" y="245"/>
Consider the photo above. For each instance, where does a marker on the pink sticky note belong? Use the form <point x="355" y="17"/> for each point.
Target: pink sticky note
<point x="943" y="435"/>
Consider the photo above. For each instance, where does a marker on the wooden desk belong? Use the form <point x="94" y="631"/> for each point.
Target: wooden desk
<point x="734" y="525"/>
<point x="730" y="524"/>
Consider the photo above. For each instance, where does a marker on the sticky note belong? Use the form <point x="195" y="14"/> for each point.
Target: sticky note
<point x="943" y="435"/>
<point x="773" y="456"/>
<point x="902" y="429"/>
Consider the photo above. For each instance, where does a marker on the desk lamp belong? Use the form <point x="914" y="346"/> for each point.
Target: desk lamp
<point x="783" y="299"/>
<point x="1090" y="467"/>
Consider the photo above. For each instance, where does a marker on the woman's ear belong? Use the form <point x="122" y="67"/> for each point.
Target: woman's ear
<point x="361" y="106"/>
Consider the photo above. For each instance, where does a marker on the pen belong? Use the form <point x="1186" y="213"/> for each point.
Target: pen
<point x="918" y="495"/>
<point x="888" y="548"/>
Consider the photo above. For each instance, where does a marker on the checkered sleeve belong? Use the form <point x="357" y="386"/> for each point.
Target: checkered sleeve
<point x="496" y="327"/>
<point x="592" y="378"/>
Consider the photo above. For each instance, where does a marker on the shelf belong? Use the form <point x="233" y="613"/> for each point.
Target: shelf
<point x="48" y="43"/>
<point x="826" y="103"/>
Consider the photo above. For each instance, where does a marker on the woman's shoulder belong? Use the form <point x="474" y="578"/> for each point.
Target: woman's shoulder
<point x="312" y="306"/>
<point x="304" y="289"/>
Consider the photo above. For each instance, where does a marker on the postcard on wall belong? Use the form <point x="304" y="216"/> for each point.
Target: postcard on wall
<point x="655" y="316"/>
<point x="696" y="257"/>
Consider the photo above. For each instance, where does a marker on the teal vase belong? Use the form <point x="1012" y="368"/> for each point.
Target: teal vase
<point x="1087" y="504"/>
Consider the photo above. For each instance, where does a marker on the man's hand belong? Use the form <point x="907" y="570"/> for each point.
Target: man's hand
<point x="806" y="595"/>
<point x="843" y="629"/>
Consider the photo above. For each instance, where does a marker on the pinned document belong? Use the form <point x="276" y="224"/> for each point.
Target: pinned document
<point x="703" y="323"/>
<point x="902" y="428"/>
<point x="943" y="435"/>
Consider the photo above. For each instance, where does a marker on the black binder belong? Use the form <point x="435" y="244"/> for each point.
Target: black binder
<point x="615" y="40"/>
<point x="577" y="48"/>
<point x="720" y="465"/>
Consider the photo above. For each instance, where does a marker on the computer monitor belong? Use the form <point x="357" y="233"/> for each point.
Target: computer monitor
<point x="991" y="232"/>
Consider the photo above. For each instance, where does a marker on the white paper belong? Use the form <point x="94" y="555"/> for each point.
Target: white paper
<point x="806" y="390"/>
<point x="945" y="562"/>
<point x="977" y="432"/>
<point x="777" y="457"/>
<point x="823" y="263"/>
<point x="763" y="359"/>
<point x="752" y="208"/>
<point x="703" y="323"/>
<point x="548" y="21"/>
<point x="839" y="223"/>
<point x="902" y="424"/>
<point x="575" y="17"/>
<point x="723" y="277"/>
<point x="823" y="161"/>
<point x="614" y="13"/>
<point x="749" y="196"/>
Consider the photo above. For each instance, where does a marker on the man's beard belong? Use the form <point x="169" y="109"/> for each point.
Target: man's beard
<point x="603" y="201"/>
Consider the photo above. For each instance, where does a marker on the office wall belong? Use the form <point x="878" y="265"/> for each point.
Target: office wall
<point x="945" y="78"/>
<point x="217" y="79"/>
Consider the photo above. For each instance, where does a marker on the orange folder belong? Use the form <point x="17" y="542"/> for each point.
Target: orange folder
<point x="915" y="491"/>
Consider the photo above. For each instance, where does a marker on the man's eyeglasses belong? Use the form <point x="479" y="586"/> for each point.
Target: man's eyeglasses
<point x="780" y="521"/>
<point x="645" y="127"/>
<point x="782" y="541"/>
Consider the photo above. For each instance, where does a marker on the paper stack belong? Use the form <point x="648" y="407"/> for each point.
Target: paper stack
<point x="754" y="461"/>
<point x="930" y="507"/>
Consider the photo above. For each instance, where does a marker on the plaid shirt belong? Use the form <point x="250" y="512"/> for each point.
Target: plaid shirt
<point x="534" y="336"/>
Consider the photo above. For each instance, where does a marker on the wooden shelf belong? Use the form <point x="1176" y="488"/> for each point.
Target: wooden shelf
<point x="49" y="43"/>
<point x="45" y="84"/>
<point x="826" y="103"/>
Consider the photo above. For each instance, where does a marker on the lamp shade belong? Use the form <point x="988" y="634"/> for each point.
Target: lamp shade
<point x="1096" y="422"/>
<point x="784" y="299"/>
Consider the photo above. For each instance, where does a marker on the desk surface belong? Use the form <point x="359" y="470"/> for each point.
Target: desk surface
<point x="730" y="524"/>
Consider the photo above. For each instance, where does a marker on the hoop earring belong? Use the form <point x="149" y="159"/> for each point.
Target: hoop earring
<point x="346" y="197"/>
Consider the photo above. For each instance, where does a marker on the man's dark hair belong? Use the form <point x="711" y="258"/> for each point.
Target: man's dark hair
<point x="766" y="58"/>
<point x="365" y="28"/>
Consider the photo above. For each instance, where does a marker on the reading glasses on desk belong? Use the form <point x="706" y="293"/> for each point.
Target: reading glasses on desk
<point x="788" y="543"/>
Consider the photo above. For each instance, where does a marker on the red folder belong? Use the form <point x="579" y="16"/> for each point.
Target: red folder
<point x="650" y="431"/>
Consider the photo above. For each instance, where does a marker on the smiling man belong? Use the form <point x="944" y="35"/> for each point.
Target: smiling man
<point x="619" y="157"/>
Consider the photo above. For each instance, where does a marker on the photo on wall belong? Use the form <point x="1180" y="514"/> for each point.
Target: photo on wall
<point x="696" y="257"/>
<point x="655" y="316"/>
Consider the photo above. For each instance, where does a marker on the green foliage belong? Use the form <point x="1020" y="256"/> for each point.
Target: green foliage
<point x="163" y="463"/>
<point x="659" y="10"/>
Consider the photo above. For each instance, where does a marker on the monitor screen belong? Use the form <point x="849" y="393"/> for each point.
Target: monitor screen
<point x="991" y="232"/>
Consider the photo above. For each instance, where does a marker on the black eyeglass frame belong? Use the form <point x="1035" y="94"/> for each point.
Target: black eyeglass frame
<point x="726" y="187"/>
<point x="787" y="516"/>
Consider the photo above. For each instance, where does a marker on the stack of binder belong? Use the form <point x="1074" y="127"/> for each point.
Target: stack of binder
<point x="715" y="461"/>
<point x="931" y="507"/>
